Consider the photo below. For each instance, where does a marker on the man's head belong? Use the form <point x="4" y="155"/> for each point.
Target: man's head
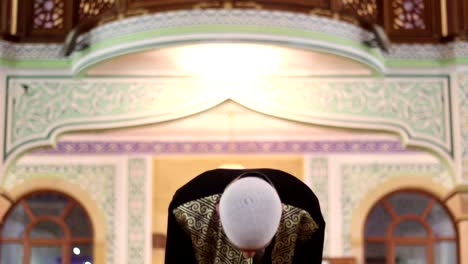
<point x="250" y="212"/>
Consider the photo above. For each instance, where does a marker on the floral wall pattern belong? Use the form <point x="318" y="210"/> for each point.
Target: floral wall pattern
<point x="318" y="174"/>
<point x="137" y="207"/>
<point x="416" y="107"/>
<point x="463" y="104"/>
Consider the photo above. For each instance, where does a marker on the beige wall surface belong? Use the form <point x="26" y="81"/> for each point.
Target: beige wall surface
<point x="170" y="173"/>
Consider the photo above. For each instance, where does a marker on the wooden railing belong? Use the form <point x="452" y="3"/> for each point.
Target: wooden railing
<point x="404" y="20"/>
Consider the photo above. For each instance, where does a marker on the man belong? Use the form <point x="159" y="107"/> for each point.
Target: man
<point x="231" y="216"/>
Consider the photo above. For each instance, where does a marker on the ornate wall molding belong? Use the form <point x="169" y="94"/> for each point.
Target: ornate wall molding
<point x="48" y="107"/>
<point x="463" y="106"/>
<point x="168" y="28"/>
<point x="137" y="232"/>
<point x="417" y="107"/>
<point x="318" y="175"/>
<point x="40" y="108"/>
<point x="12" y="51"/>
<point x="223" y="147"/>
<point x="276" y="27"/>
<point x="226" y="17"/>
<point x="153" y="30"/>
<point x="451" y="50"/>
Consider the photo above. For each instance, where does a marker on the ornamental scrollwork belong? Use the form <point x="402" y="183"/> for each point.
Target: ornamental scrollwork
<point x="416" y="107"/>
<point x="41" y="105"/>
<point x="463" y="105"/>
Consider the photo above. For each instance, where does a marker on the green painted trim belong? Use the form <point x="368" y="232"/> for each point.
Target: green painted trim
<point x="52" y="64"/>
<point x="227" y="29"/>
<point x="450" y="116"/>
<point x="411" y="75"/>
<point x="276" y="76"/>
<point x="413" y="63"/>
<point x="5" y="124"/>
<point x="234" y="29"/>
<point x="199" y="30"/>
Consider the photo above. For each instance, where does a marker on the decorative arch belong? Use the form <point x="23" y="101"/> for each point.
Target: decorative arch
<point x="39" y="108"/>
<point x="392" y="185"/>
<point x="275" y="27"/>
<point x="97" y="218"/>
<point x="411" y="219"/>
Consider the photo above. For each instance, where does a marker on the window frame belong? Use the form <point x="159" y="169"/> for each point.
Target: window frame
<point x="66" y="242"/>
<point x="390" y="241"/>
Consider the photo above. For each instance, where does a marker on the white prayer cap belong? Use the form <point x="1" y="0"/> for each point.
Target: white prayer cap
<point x="250" y="212"/>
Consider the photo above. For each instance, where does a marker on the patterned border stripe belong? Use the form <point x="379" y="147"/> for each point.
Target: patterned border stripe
<point x="319" y="184"/>
<point x="463" y="104"/>
<point x="184" y="147"/>
<point x="136" y="211"/>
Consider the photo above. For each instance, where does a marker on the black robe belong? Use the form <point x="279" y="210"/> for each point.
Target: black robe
<point x="195" y="235"/>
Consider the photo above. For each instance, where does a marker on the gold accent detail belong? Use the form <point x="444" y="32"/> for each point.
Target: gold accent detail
<point x="296" y="226"/>
<point x="249" y="4"/>
<point x="204" y="5"/>
<point x="200" y="220"/>
<point x="14" y="17"/>
<point x="350" y="19"/>
<point x="5" y="203"/>
<point x="443" y="17"/>
<point x="227" y="5"/>
<point x="136" y="12"/>
<point x="321" y="12"/>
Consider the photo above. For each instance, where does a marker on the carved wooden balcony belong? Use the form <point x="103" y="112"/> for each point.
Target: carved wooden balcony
<point x="410" y="21"/>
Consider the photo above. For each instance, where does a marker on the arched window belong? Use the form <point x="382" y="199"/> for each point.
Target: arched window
<point x="46" y="227"/>
<point x="410" y="227"/>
